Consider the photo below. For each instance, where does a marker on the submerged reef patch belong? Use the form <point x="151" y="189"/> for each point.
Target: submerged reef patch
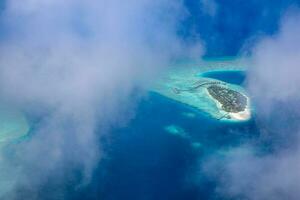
<point x="13" y="125"/>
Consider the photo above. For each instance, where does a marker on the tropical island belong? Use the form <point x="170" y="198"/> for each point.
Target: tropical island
<point x="187" y="84"/>
<point x="231" y="101"/>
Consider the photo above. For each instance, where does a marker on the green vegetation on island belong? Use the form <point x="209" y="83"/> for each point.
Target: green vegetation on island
<point x="230" y="100"/>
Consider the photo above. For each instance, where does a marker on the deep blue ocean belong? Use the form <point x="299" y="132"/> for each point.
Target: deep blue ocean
<point x="144" y="161"/>
<point x="234" y="77"/>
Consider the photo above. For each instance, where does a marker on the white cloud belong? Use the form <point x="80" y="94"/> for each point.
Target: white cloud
<point x="85" y="61"/>
<point x="273" y="82"/>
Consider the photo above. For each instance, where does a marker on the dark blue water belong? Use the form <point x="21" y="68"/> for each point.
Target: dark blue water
<point x="146" y="162"/>
<point x="234" y="77"/>
<point x="234" y="24"/>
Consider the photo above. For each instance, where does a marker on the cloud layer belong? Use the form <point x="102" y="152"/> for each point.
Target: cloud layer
<point x="249" y="172"/>
<point x="83" y="63"/>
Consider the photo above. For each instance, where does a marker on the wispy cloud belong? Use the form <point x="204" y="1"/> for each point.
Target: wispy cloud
<point x="85" y="61"/>
<point x="273" y="82"/>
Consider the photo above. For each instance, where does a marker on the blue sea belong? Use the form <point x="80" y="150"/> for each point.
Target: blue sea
<point x="144" y="161"/>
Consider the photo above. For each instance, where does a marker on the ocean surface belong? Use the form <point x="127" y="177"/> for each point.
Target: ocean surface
<point x="230" y="76"/>
<point x="159" y="154"/>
